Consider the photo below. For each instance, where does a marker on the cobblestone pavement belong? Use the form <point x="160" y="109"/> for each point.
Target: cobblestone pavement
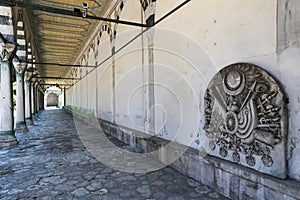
<point x="50" y="162"/>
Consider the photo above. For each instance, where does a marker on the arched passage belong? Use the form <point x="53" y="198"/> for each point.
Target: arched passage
<point x="52" y="99"/>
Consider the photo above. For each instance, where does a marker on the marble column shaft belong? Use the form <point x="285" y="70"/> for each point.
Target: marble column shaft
<point x="20" y="106"/>
<point x="7" y="134"/>
<point x="33" y="110"/>
<point x="37" y="99"/>
<point x="28" y="111"/>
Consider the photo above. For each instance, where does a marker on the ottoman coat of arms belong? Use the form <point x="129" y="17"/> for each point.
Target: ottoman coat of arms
<point x="245" y="119"/>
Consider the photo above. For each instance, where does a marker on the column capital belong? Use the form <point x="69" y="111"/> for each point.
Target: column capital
<point x="28" y="75"/>
<point x="7" y="49"/>
<point x="33" y="80"/>
<point x="20" y="67"/>
<point x="36" y="83"/>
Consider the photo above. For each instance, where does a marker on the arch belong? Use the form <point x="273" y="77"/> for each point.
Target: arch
<point x="149" y="11"/>
<point x="52" y="99"/>
<point x="20" y="16"/>
<point x="118" y="13"/>
<point x="29" y="55"/>
<point x="21" y="36"/>
<point x="106" y="28"/>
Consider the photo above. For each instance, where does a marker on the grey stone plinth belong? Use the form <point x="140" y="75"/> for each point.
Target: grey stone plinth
<point x="7" y="138"/>
<point x="21" y="127"/>
<point x="29" y="121"/>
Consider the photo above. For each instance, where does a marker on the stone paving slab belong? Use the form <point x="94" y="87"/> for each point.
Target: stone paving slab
<point x="50" y="162"/>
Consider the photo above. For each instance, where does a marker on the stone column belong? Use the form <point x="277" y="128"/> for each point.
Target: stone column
<point x="37" y="99"/>
<point x="7" y="133"/>
<point x="28" y="111"/>
<point x="42" y="101"/>
<point x="65" y="100"/>
<point x="33" y="97"/>
<point x="20" y="118"/>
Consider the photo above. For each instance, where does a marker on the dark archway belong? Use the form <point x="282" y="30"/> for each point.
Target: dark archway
<point x="52" y="100"/>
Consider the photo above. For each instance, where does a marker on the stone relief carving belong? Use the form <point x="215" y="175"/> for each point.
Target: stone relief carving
<point x="246" y="120"/>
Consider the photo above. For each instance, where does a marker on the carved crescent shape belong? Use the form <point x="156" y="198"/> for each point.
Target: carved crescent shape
<point x="234" y="83"/>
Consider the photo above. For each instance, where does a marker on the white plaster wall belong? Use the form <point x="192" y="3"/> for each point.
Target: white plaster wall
<point x="83" y="90"/>
<point x="221" y="33"/>
<point x="91" y="81"/>
<point x="72" y="98"/>
<point x="180" y="86"/>
<point x="130" y="89"/>
<point x="288" y="62"/>
<point x="131" y="12"/>
<point x="69" y="96"/>
<point x="77" y="100"/>
<point x="222" y="28"/>
<point x="131" y="71"/>
<point x="91" y="97"/>
<point x="104" y="80"/>
<point x="190" y="47"/>
<point x="288" y="66"/>
<point x="82" y="86"/>
<point x="229" y="31"/>
<point x="68" y="100"/>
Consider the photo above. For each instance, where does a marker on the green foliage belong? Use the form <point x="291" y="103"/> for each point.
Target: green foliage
<point x="14" y="93"/>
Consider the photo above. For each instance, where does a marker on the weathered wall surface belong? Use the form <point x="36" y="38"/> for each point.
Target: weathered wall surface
<point x="190" y="47"/>
<point x="288" y="24"/>
<point x="288" y="65"/>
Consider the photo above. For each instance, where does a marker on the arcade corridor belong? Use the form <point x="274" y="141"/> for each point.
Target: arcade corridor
<point x="210" y="89"/>
<point x="50" y="162"/>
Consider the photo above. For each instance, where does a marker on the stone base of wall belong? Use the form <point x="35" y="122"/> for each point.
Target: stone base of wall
<point x="229" y="179"/>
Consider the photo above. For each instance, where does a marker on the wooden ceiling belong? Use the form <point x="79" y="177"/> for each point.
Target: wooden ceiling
<point x="59" y="38"/>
